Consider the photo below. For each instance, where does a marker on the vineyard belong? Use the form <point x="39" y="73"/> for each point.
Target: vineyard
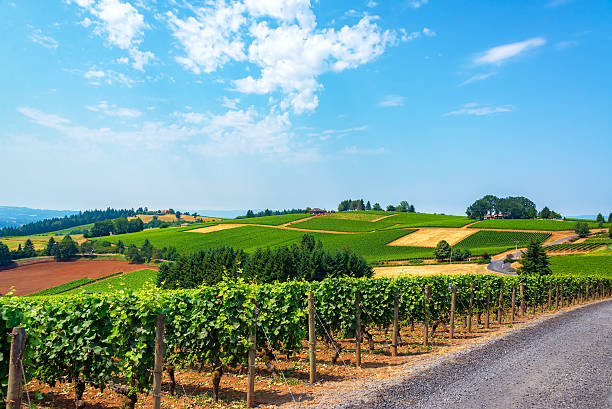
<point x="492" y="242"/>
<point x="529" y="224"/>
<point x="108" y="340"/>
<point x="578" y="247"/>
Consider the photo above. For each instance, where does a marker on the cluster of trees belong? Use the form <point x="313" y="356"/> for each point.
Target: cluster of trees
<point x="59" y="223"/>
<point x="582" y="229"/>
<point x="546" y="213"/>
<point x="5" y="255"/>
<point x="65" y="250"/>
<point x="444" y="251"/>
<point x="307" y="261"/>
<point x="120" y="225"/>
<point x="269" y="212"/>
<point x="600" y="219"/>
<point x="512" y="207"/>
<point x="359" y="204"/>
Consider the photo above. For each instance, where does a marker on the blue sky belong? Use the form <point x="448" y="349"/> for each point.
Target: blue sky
<point x="292" y="103"/>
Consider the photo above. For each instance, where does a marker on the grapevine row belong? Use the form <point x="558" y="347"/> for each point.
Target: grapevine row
<point x="107" y="340"/>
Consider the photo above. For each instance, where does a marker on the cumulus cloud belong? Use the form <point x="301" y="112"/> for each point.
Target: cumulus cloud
<point x="476" y="109"/>
<point x="500" y="54"/>
<point x="391" y="101"/>
<point x="122" y="26"/>
<point x="283" y="42"/>
<point x="109" y="77"/>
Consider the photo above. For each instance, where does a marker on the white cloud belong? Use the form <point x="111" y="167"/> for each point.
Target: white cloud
<point x="498" y="55"/>
<point x="392" y="101"/>
<point x="476" y="78"/>
<point x="231" y="103"/>
<point x="429" y="32"/>
<point x="336" y="133"/>
<point x="109" y="77"/>
<point x="406" y="36"/>
<point x="39" y="38"/>
<point x="353" y="150"/>
<point x="122" y="26"/>
<point x="113" y="110"/>
<point x="191" y="117"/>
<point x="415" y="4"/>
<point x="476" y="109"/>
<point x="48" y="120"/>
<point x="371" y="4"/>
<point x="284" y="43"/>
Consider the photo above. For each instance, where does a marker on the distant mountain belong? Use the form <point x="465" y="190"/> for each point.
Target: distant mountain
<point x="584" y="216"/>
<point x="13" y="216"/>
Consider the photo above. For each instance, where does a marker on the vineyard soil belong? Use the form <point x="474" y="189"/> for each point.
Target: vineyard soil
<point x="32" y="278"/>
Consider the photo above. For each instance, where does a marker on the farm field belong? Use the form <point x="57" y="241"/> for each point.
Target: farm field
<point x="583" y="265"/>
<point x="429" y="237"/>
<point x="446" y="269"/>
<point x="146" y="218"/>
<point x="32" y="278"/>
<point x="356" y="221"/>
<point x="275" y="220"/>
<point x="528" y="224"/>
<point x="39" y="241"/>
<point x="584" y="247"/>
<point x="134" y="280"/>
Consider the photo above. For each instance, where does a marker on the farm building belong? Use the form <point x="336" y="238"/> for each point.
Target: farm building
<point x="316" y="211"/>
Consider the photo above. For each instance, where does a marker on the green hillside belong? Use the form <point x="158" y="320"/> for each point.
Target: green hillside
<point x="529" y="224"/>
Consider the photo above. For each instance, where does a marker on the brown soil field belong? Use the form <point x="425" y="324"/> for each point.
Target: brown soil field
<point x="429" y="237"/>
<point x="398" y="271"/>
<point x="32" y="278"/>
<point x="146" y="218"/>
<point x="194" y="389"/>
<point x="218" y="227"/>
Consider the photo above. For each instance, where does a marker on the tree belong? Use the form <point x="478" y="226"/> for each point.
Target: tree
<point x="136" y="224"/>
<point x="178" y="215"/>
<point x="610" y="231"/>
<point x="534" y="261"/>
<point x="28" y="249"/>
<point x="308" y="242"/>
<point x="404" y="206"/>
<point x="377" y="207"/>
<point x="369" y="207"/>
<point x="582" y="229"/>
<point x="102" y="228"/>
<point x="170" y="211"/>
<point x="545" y="213"/>
<point x="66" y="249"/>
<point x="87" y="247"/>
<point x="411" y="209"/>
<point x="391" y="208"/>
<point x="147" y="250"/>
<point x="133" y="255"/>
<point x="5" y="255"/>
<point x="600" y="218"/>
<point x="120" y="247"/>
<point x="442" y="250"/>
<point x="610" y="218"/>
<point x="121" y="225"/>
<point x="51" y="247"/>
<point x="250" y="214"/>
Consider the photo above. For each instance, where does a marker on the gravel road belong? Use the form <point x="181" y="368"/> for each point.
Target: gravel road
<point x="561" y="362"/>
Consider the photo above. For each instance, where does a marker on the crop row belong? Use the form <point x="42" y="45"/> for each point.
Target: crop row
<point x="108" y="339"/>
<point x="573" y="247"/>
<point x="491" y="238"/>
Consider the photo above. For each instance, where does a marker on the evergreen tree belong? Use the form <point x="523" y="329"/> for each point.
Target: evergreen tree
<point x="5" y="255"/>
<point x="66" y="249"/>
<point x="28" y="249"/>
<point x="308" y="242"/>
<point x="120" y="247"/>
<point x="411" y="209"/>
<point x="133" y="255"/>
<point x="368" y="206"/>
<point x="442" y="250"/>
<point x="249" y="214"/>
<point x="610" y="218"/>
<point x="136" y="224"/>
<point x="610" y="231"/>
<point x="600" y="218"/>
<point x="146" y="250"/>
<point x="534" y="261"/>
<point x="51" y="247"/>
<point x="545" y="213"/>
<point x="377" y="207"/>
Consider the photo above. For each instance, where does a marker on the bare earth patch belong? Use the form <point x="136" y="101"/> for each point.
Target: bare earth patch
<point x="398" y="271"/>
<point x="218" y="227"/>
<point x="430" y="237"/>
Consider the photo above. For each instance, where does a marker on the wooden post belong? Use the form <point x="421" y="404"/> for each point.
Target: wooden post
<point x="535" y="297"/>
<point x="160" y="329"/>
<point x="470" y="312"/>
<point x="557" y="296"/>
<point x="358" y="329"/>
<point x="13" y="396"/>
<point x="500" y="309"/>
<point x="587" y="291"/>
<point x="312" y="340"/>
<point x="549" y="295"/>
<point x="513" y="302"/>
<point x="427" y="292"/>
<point x="488" y="304"/>
<point x="395" y="323"/>
<point x="452" y="310"/>
<point x="250" y="400"/>
<point x="561" y="294"/>
<point x="522" y="295"/>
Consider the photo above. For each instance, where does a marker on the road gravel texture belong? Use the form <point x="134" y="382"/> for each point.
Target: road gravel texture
<point x="560" y="362"/>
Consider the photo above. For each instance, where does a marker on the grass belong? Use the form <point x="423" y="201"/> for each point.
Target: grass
<point x="583" y="265"/>
<point x="128" y="281"/>
<point x="39" y="241"/>
<point x="64" y="287"/>
<point x="276" y="220"/>
<point x="361" y="221"/>
<point x="529" y="224"/>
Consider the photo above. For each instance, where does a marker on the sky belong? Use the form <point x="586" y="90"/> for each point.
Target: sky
<point x="294" y="103"/>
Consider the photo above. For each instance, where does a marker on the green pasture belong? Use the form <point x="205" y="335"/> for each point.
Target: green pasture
<point x="269" y="220"/>
<point x="529" y="224"/>
<point x="583" y="265"/>
<point x="128" y="281"/>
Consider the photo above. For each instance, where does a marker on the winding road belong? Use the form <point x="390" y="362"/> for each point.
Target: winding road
<point x="560" y="362"/>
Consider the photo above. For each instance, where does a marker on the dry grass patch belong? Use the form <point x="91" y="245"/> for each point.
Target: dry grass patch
<point x="218" y="227"/>
<point x="425" y="237"/>
<point x="448" y="269"/>
<point x="364" y="217"/>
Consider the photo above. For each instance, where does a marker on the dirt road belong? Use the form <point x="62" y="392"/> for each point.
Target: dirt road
<point x="560" y="362"/>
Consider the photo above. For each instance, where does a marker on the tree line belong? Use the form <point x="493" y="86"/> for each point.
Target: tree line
<point x="249" y="214"/>
<point x="510" y="207"/>
<point x="306" y="261"/>
<point x="59" y="223"/>
<point x="359" y="204"/>
<point x="119" y="225"/>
